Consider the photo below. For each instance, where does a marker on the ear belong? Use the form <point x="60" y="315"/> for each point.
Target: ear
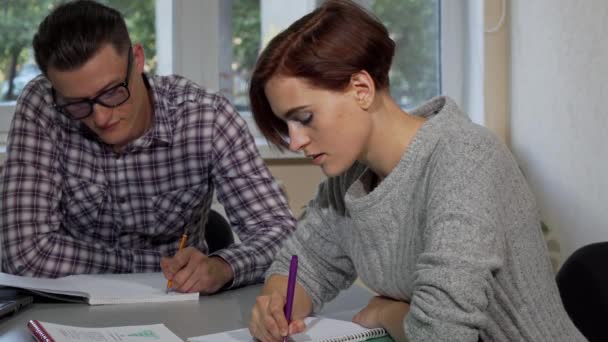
<point x="363" y="88"/>
<point x="139" y="58"/>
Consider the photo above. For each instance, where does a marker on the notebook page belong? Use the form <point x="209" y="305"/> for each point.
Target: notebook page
<point x="104" y="288"/>
<point x="128" y="288"/>
<point x="317" y="329"/>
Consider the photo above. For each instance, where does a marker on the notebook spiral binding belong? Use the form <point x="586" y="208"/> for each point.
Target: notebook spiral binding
<point x="373" y="333"/>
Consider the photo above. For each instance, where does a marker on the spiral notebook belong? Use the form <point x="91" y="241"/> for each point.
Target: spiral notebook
<point x="95" y="289"/>
<point x="45" y="332"/>
<point x="318" y="329"/>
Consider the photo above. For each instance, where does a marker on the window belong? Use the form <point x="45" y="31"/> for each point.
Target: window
<point x="253" y="24"/>
<point x="215" y="43"/>
<point x="246" y="37"/>
<point x="413" y="25"/>
<point x="19" y="21"/>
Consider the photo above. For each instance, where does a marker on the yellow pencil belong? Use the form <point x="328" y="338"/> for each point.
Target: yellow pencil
<point x="182" y="244"/>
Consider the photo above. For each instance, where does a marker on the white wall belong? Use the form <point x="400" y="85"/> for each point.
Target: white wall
<point x="559" y="119"/>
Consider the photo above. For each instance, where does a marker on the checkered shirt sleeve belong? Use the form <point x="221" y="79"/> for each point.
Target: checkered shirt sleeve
<point x="70" y="205"/>
<point x="253" y="200"/>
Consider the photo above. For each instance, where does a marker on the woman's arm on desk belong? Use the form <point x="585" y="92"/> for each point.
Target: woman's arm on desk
<point x="268" y="322"/>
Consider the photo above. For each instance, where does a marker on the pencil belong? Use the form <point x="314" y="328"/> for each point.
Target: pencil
<point x="182" y="244"/>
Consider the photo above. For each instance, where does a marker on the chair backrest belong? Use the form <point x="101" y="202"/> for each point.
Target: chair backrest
<point x="218" y="233"/>
<point x="583" y="286"/>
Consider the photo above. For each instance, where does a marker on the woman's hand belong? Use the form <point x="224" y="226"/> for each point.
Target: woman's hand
<point x="382" y="312"/>
<point x="268" y="322"/>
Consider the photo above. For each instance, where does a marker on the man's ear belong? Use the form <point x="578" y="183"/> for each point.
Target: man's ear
<point x="139" y="58"/>
<point x="363" y="89"/>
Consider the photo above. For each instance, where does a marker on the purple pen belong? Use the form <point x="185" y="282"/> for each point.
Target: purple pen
<point x="291" y="286"/>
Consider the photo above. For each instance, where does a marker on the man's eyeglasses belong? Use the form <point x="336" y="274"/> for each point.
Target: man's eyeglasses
<point x="112" y="97"/>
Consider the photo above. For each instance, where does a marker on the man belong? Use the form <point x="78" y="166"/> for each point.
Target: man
<point x="107" y="167"/>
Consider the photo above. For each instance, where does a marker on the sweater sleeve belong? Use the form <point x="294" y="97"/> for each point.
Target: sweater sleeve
<point x="324" y="267"/>
<point x="463" y="248"/>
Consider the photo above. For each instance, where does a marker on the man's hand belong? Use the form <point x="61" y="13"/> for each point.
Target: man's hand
<point x="385" y="313"/>
<point x="193" y="271"/>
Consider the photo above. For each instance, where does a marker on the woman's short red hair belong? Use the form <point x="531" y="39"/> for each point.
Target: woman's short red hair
<point x="325" y="47"/>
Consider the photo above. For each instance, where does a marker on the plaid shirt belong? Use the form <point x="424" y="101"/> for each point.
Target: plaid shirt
<point x="70" y="205"/>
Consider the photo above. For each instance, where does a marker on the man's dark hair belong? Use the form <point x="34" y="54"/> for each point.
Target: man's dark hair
<point x="73" y="32"/>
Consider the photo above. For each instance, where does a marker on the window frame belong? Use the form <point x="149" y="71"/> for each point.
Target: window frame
<point x="461" y="51"/>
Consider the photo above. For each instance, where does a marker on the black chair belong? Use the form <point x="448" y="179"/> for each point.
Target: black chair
<point x="218" y="233"/>
<point x="583" y="286"/>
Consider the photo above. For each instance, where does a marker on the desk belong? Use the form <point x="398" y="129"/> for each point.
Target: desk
<point x="210" y="314"/>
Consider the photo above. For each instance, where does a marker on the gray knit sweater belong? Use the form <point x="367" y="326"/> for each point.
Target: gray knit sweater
<point x="453" y="230"/>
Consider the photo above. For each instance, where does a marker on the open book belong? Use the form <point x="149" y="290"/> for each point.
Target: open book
<point x="318" y="329"/>
<point x="98" y="289"/>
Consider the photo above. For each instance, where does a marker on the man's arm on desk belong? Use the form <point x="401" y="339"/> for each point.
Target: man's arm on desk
<point x="255" y="205"/>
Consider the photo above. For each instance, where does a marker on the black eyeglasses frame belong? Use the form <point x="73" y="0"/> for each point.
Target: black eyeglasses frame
<point x="92" y="101"/>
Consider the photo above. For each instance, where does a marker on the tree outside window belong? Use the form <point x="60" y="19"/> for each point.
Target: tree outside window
<point x="412" y="24"/>
<point x="19" y="21"/>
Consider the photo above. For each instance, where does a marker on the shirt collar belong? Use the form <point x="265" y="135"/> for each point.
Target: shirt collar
<point x="161" y="126"/>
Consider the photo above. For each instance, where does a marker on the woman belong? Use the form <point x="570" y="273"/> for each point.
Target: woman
<point x="427" y="208"/>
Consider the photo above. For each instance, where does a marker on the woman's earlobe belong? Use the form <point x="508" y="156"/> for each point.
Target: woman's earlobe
<point x="363" y="85"/>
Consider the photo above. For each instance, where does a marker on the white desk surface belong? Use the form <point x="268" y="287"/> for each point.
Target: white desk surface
<point x="210" y="314"/>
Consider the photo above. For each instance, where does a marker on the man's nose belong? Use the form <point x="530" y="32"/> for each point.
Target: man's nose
<point x="102" y="115"/>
